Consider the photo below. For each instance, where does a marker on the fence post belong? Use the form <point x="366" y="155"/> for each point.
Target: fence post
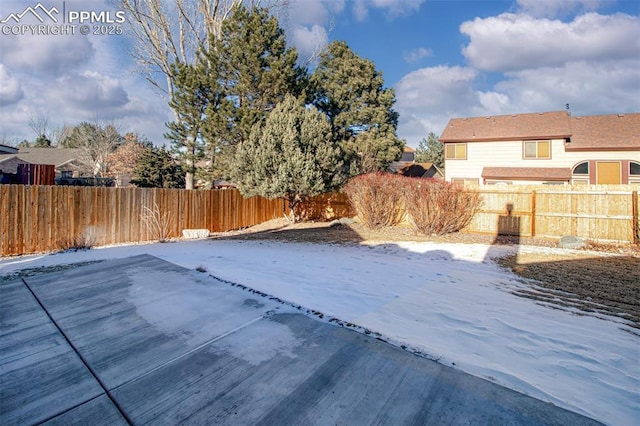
<point x="533" y="213"/>
<point x="635" y="225"/>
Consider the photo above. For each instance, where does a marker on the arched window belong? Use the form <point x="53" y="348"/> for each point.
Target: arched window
<point x="581" y="168"/>
<point x="634" y="168"/>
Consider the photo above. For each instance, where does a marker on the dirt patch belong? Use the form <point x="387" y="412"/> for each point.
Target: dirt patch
<point x="355" y="233"/>
<point x="605" y="278"/>
<point x="590" y="282"/>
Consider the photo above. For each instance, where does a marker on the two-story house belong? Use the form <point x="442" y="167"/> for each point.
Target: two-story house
<point x="543" y="148"/>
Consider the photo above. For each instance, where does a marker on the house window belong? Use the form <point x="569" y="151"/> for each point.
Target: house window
<point x="456" y="151"/>
<point x="464" y="181"/>
<point x="540" y="150"/>
<point x="634" y="173"/>
<point x="581" y="169"/>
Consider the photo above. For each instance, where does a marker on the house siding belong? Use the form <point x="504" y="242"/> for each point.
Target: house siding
<point x="510" y="154"/>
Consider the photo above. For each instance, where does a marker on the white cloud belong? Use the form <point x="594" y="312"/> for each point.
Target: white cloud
<point x="309" y="41"/>
<point x="10" y="89"/>
<point x="415" y="55"/>
<point x="511" y="42"/>
<point x="588" y="87"/>
<point x="427" y="98"/>
<point x="91" y="90"/>
<point x="360" y="10"/>
<point x="304" y="12"/>
<point x="74" y="78"/>
<point x="553" y="8"/>
<point x="45" y="54"/>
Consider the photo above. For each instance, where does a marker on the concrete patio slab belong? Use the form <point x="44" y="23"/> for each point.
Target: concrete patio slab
<point x="170" y="346"/>
<point x="40" y="374"/>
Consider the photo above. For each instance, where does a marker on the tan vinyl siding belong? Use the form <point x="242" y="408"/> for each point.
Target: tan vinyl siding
<point x="509" y="154"/>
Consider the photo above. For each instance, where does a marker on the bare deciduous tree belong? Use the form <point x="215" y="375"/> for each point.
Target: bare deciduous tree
<point x="166" y="32"/>
<point x="39" y="123"/>
<point x="95" y="142"/>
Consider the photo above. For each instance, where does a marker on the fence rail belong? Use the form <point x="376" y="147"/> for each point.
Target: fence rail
<point x="598" y="213"/>
<point x="44" y="218"/>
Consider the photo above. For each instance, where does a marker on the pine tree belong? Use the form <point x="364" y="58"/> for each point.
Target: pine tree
<point x="42" y="141"/>
<point x="196" y="92"/>
<point x="430" y="151"/>
<point x="156" y="168"/>
<point x="256" y="71"/>
<point x="349" y="90"/>
<point x="290" y="156"/>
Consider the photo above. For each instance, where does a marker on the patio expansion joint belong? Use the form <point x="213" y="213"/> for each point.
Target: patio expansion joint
<point x="82" y="359"/>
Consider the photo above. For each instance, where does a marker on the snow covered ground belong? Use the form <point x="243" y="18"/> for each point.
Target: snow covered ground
<point x="448" y="301"/>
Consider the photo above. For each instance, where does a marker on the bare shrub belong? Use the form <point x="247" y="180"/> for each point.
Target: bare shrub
<point x="158" y="222"/>
<point x="80" y="242"/>
<point x="437" y="207"/>
<point x="377" y="198"/>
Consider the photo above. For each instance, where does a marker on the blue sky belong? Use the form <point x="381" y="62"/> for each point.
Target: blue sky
<point x="444" y="58"/>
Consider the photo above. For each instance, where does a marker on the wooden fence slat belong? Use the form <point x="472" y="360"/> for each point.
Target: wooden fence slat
<point x="43" y="218"/>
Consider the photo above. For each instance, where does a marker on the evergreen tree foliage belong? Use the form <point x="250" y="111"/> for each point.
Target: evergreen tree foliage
<point x="77" y="136"/>
<point x="291" y="156"/>
<point x="430" y="151"/>
<point x="42" y="142"/>
<point x="350" y="91"/>
<point x="245" y="72"/>
<point x="156" y="168"/>
<point x="256" y="71"/>
<point x="196" y="92"/>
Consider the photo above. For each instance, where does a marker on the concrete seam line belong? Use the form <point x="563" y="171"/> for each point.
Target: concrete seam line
<point x="82" y="359"/>
<point x="69" y="409"/>
<point x="197" y="348"/>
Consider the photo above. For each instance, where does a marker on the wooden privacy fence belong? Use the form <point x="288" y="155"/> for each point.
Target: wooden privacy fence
<point x="596" y="213"/>
<point x="44" y="218"/>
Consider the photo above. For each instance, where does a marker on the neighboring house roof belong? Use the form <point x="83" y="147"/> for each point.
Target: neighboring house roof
<point x="605" y="132"/>
<point x="55" y="156"/>
<point x="596" y="132"/>
<point x="527" y="173"/>
<point x="541" y="125"/>
<point x="64" y="159"/>
<point x="6" y="149"/>
<point x="420" y="170"/>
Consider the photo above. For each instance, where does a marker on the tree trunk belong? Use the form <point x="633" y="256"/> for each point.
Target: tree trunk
<point x="188" y="180"/>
